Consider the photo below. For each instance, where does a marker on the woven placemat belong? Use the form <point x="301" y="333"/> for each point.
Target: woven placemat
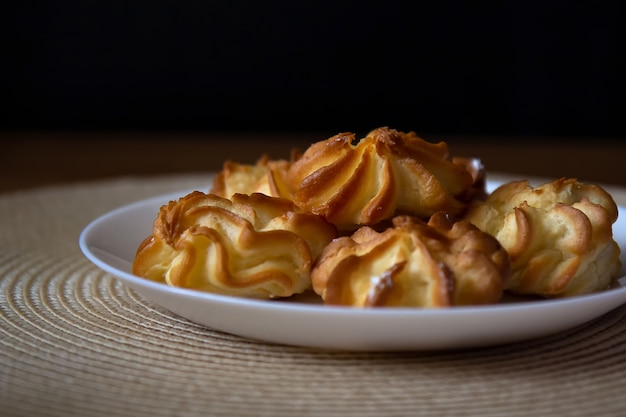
<point x="76" y="342"/>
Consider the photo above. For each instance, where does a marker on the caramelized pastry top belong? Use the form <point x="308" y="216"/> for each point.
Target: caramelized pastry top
<point x="413" y="264"/>
<point x="384" y="174"/>
<point x="250" y="245"/>
<point x="267" y="177"/>
<point x="559" y="235"/>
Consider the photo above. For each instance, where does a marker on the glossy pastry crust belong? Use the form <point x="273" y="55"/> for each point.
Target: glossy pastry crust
<point x="386" y="173"/>
<point x="559" y="235"/>
<point x="441" y="263"/>
<point x="250" y="245"/>
<point x="267" y="177"/>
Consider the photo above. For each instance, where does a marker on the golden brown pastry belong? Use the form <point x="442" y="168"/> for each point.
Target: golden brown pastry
<point x="559" y="235"/>
<point x="267" y="176"/>
<point x="386" y="173"/>
<point x="250" y="245"/>
<point x="441" y="263"/>
<point x="478" y="190"/>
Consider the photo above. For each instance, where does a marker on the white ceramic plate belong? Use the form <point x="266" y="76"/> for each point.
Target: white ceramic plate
<point x="111" y="240"/>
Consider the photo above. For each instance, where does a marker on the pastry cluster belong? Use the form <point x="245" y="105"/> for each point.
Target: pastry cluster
<point x="389" y="220"/>
<point x="353" y="183"/>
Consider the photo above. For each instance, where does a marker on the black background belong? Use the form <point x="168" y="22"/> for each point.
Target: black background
<point x="552" y="68"/>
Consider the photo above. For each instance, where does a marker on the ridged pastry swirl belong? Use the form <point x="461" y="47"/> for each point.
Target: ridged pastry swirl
<point x="386" y="173"/>
<point x="441" y="263"/>
<point x="250" y="245"/>
<point x="559" y="235"/>
<point x="267" y="176"/>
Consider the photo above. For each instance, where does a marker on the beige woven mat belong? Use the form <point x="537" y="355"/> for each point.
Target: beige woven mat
<point x="75" y="342"/>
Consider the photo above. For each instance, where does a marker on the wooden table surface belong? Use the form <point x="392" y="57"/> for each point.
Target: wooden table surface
<point x="37" y="158"/>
